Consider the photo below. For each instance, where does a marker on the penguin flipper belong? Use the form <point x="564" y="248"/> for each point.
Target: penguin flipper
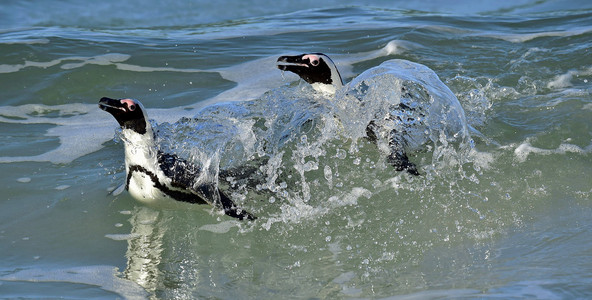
<point x="231" y="210"/>
<point x="401" y="162"/>
<point x="182" y="172"/>
<point x="398" y="158"/>
<point x="210" y="191"/>
<point x="371" y="132"/>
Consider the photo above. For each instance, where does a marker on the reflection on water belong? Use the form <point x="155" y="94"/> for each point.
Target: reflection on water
<point x="309" y="161"/>
<point x="507" y="217"/>
<point x="145" y="248"/>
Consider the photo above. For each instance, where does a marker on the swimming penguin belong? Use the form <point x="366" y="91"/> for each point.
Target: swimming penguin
<point x="154" y="176"/>
<point x="321" y="72"/>
<point x="315" y="68"/>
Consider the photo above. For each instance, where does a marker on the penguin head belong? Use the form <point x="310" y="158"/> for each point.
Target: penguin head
<point x="129" y="113"/>
<point x="315" y="68"/>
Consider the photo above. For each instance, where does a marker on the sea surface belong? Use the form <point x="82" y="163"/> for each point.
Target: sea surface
<point x="501" y="209"/>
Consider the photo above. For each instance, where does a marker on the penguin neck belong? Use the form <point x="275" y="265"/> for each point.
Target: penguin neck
<point x="140" y="149"/>
<point x="329" y="89"/>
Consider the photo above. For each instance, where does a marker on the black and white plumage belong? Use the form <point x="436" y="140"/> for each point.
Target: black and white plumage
<point x="155" y="177"/>
<point x="315" y="68"/>
<point x="321" y="72"/>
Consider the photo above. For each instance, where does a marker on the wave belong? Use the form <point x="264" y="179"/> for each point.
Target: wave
<point x="83" y="129"/>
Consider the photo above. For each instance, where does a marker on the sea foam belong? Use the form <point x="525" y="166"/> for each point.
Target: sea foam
<point x="83" y="128"/>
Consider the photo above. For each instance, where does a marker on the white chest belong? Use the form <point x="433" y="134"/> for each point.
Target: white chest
<point x="144" y="188"/>
<point x="145" y="181"/>
<point x="144" y="178"/>
<point x="155" y="190"/>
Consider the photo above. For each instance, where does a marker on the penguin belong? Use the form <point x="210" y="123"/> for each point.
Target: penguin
<point x="315" y="68"/>
<point x="153" y="176"/>
<point x="321" y="72"/>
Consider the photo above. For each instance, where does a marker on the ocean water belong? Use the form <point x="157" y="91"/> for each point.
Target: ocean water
<point x="501" y="209"/>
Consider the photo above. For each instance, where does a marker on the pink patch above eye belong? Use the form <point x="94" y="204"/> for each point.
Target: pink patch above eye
<point x="314" y="59"/>
<point x="131" y="104"/>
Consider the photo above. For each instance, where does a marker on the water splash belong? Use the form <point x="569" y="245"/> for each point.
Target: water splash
<point x="303" y="155"/>
<point x="409" y="98"/>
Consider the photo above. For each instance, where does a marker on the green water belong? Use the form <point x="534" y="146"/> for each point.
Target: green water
<point x="508" y="218"/>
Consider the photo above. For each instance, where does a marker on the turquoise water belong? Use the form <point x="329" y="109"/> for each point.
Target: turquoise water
<point x="501" y="210"/>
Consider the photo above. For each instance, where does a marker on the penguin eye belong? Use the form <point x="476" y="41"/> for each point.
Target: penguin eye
<point x="132" y="107"/>
<point x="314" y="62"/>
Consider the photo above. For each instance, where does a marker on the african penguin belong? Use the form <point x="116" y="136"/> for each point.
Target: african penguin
<point x="315" y="68"/>
<point x="321" y="72"/>
<point x="155" y="177"/>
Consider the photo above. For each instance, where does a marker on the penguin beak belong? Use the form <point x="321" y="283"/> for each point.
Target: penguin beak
<point x="114" y="107"/>
<point x="293" y="64"/>
<point x="128" y="113"/>
<point x="111" y="106"/>
<point x="315" y="71"/>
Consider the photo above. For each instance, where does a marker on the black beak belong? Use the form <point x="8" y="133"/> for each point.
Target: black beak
<point x="133" y="119"/>
<point x="111" y="106"/>
<point x="291" y="63"/>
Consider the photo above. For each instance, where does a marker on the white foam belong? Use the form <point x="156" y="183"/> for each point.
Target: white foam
<point x="121" y="236"/>
<point x="258" y="76"/>
<point x="526" y="148"/>
<point x="564" y="80"/>
<point x="24" y="180"/>
<point x="481" y="160"/>
<point x="136" y="68"/>
<point x="561" y="81"/>
<point x="80" y="128"/>
<point x="83" y="128"/>
<point x="345" y="62"/>
<point x="104" y="59"/>
<point x="101" y="276"/>
<point x="222" y="227"/>
<point x="253" y="79"/>
<point x="74" y="128"/>
<point x="525" y="37"/>
<point x="352" y="197"/>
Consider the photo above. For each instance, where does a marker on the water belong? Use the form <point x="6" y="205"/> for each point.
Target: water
<point x="501" y="209"/>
